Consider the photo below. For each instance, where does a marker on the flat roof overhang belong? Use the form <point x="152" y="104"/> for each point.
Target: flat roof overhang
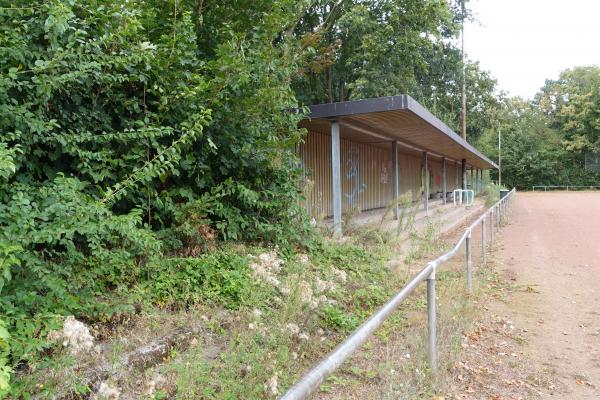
<point x="395" y="118"/>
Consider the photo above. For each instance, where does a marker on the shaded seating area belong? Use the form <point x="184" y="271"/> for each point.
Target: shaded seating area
<point x="365" y="154"/>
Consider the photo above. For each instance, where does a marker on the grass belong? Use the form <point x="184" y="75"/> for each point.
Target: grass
<point x="260" y="339"/>
<point x="289" y="335"/>
<point x="424" y="243"/>
<point x="401" y="354"/>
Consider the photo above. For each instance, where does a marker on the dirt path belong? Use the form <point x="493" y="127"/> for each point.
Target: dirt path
<point x="536" y="328"/>
<point x="552" y="250"/>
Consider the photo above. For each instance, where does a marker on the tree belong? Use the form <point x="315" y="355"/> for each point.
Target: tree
<point x="378" y="48"/>
<point x="531" y="151"/>
<point x="572" y="104"/>
<point x="370" y="48"/>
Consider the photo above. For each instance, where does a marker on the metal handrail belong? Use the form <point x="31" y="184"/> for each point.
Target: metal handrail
<point x="317" y="375"/>
<point x="546" y="187"/>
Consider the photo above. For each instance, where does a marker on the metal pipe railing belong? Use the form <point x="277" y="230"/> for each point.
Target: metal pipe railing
<point x="567" y="187"/>
<point x="317" y="375"/>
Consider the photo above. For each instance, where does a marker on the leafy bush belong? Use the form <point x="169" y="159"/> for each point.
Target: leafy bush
<point x="8" y="260"/>
<point x="222" y="277"/>
<point x="74" y="252"/>
<point x="123" y="118"/>
<point x="132" y="99"/>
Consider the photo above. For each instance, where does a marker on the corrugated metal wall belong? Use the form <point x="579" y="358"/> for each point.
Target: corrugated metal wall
<point x="435" y="167"/>
<point x="366" y="173"/>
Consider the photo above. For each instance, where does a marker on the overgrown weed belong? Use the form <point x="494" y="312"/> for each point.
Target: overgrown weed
<point x="424" y="243"/>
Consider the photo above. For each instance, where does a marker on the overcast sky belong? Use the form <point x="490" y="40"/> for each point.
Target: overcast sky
<point x="525" y="42"/>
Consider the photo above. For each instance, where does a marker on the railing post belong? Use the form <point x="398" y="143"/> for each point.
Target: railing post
<point x="492" y="229"/>
<point x="432" y="322"/>
<point x="500" y="214"/>
<point x="497" y="214"/>
<point x="497" y="227"/>
<point x="469" y="264"/>
<point x="483" y="244"/>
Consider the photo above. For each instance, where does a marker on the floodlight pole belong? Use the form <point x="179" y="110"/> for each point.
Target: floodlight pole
<point x="499" y="157"/>
<point x="464" y="77"/>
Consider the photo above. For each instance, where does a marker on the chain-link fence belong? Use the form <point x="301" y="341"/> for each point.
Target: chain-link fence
<point x="592" y="162"/>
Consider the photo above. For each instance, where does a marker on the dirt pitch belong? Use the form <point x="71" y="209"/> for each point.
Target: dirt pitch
<point x="551" y="249"/>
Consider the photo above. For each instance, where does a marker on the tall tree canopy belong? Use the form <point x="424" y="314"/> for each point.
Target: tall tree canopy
<point x="572" y="105"/>
<point x="377" y="48"/>
<point x="545" y="141"/>
<point x="372" y="48"/>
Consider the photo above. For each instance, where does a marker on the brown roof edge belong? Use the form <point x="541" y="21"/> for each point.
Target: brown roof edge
<point x="392" y="103"/>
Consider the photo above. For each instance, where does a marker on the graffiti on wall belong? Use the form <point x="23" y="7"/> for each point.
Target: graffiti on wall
<point x="383" y="177"/>
<point x="352" y="174"/>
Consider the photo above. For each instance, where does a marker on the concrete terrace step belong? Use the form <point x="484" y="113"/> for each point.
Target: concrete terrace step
<point x="446" y="218"/>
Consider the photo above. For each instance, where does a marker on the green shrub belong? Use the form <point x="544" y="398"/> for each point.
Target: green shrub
<point x="222" y="277"/>
<point x="75" y="252"/>
<point x="8" y="260"/>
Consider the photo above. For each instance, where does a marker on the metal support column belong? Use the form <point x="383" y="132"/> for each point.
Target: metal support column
<point x="337" y="181"/>
<point x="444" y="188"/>
<point x="456" y="176"/>
<point x="464" y="178"/>
<point x="395" y="183"/>
<point x="469" y="264"/>
<point x="425" y="182"/>
<point x="470" y="179"/>
<point x="432" y="322"/>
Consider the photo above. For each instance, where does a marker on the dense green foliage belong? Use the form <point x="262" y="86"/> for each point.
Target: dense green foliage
<point x="130" y="130"/>
<point x="544" y="142"/>
<point x="222" y="277"/>
<point x="379" y="48"/>
<point x="135" y="135"/>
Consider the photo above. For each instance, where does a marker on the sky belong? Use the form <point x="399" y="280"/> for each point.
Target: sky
<point x="525" y="42"/>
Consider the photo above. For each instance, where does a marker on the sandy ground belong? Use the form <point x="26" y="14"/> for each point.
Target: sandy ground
<point x="536" y="335"/>
<point x="551" y="249"/>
